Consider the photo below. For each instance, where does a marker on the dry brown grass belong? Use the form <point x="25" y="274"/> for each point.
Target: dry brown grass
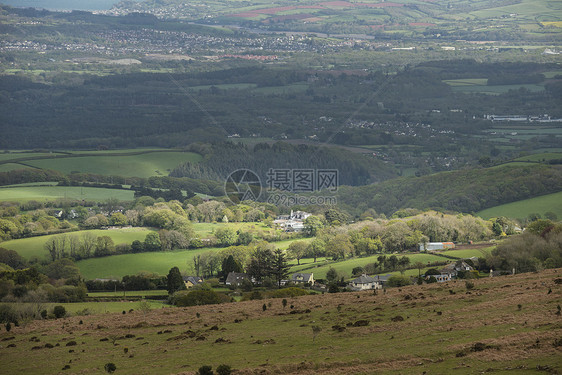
<point x="437" y="325"/>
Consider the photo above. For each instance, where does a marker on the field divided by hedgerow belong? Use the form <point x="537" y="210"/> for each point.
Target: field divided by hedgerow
<point x="140" y="165"/>
<point x="155" y="262"/>
<point x="34" y="246"/>
<point x="345" y="267"/>
<point x="160" y="262"/>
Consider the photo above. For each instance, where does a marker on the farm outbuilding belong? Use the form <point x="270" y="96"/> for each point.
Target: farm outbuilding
<point x="432" y="246"/>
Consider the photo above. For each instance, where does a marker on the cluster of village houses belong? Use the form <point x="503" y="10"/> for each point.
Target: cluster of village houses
<point x="362" y="282"/>
<point x="294" y="222"/>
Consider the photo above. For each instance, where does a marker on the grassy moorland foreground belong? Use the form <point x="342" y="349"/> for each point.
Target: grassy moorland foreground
<point x="503" y="325"/>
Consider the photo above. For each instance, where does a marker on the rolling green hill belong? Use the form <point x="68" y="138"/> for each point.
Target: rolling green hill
<point x="464" y="190"/>
<point x="522" y="209"/>
<point x="142" y="165"/>
<point x="126" y="163"/>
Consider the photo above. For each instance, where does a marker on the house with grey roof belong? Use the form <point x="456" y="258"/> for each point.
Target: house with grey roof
<point x="365" y="282"/>
<point x="451" y="271"/>
<point x="191" y="281"/>
<point x="303" y="278"/>
<point x="236" y="278"/>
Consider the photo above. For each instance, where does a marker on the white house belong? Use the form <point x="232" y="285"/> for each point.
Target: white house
<point x="444" y="276"/>
<point x="450" y="271"/>
<point x="294" y="222"/>
<point x="365" y="282"/>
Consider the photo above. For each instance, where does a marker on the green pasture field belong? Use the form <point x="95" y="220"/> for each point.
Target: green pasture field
<point x="552" y="74"/>
<point x="117" y="266"/>
<point x="346" y="266"/>
<point x="525" y="9"/>
<point x="34" y="246"/>
<point x="522" y="209"/>
<point x="142" y="165"/>
<point x="101" y="71"/>
<point x="226" y="86"/>
<point x="206" y="229"/>
<point x="542" y="156"/>
<point x="495" y="139"/>
<point x="549" y="150"/>
<point x="392" y="147"/>
<point x="514" y="164"/>
<point x="155" y="262"/>
<point x="535" y="131"/>
<point x="466" y="82"/>
<point x="124" y="151"/>
<point x="468" y="253"/>
<point x="12" y="166"/>
<point x="28" y="184"/>
<point x="521" y="136"/>
<point x="496" y="90"/>
<point x="504" y="135"/>
<point x="129" y="293"/>
<point x="43" y="193"/>
<point x="11" y="155"/>
<point x="159" y="70"/>
<point x="273" y="90"/>
<point x="307" y="262"/>
<point x="506" y="147"/>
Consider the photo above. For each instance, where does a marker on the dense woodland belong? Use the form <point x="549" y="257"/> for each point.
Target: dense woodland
<point x="353" y="169"/>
